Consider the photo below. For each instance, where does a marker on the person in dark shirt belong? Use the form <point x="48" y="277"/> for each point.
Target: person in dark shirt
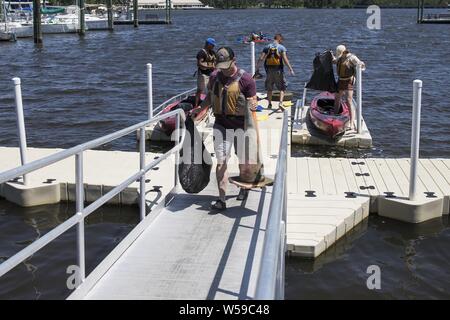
<point x="206" y="59"/>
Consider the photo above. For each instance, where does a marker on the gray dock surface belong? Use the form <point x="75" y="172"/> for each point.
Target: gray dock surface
<point x="189" y="252"/>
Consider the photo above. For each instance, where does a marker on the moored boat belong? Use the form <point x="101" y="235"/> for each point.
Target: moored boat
<point x="322" y="115"/>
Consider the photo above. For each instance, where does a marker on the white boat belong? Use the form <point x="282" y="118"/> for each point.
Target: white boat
<point x="20" y="30"/>
<point x="175" y="4"/>
<point x="6" y="34"/>
<point x="67" y="22"/>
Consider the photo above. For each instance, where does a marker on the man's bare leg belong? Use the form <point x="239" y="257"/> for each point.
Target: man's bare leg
<point x="222" y="180"/>
<point x="197" y="98"/>
<point x="337" y="102"/>
<point x="269" y="97"/>
<point x="281" y="99"/>
<point x="349" y="96"/>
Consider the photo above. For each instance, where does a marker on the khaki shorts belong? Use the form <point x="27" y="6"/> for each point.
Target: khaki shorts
<point x="244" y="143"/>
<point x="202" y="82"/>
<point x="275" y="77"/>
<point x="224" y="140"/>
<point x="346" y="84"/>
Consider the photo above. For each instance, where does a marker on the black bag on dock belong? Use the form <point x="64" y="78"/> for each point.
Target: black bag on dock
<point x="323" y="76"/>
<point x="195" y="162"/>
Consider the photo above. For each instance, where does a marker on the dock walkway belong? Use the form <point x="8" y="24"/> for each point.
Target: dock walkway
<point x="188" y="252"/>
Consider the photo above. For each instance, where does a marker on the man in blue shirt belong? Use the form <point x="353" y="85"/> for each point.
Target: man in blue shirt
<point x="275" y="57"/>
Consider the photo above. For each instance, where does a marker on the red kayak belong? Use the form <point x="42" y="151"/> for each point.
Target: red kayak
<point x="168" y="125"/>
<point x="323" y="117"/>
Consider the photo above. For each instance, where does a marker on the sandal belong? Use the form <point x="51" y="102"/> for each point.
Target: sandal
<point x="243" y="193"/>
<point x="218" y="205"/>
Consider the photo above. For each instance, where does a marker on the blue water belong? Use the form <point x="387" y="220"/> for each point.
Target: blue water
<point x="76" y="89"/>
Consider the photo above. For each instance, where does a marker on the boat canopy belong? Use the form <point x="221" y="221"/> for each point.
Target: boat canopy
<point x="53" y="10"/>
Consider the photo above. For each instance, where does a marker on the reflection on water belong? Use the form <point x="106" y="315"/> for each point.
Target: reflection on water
<point x="43" y="276"/>
<point x="413" y="259"/>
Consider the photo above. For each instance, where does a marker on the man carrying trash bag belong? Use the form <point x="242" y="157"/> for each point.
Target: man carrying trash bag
<point x="232" y="96"/>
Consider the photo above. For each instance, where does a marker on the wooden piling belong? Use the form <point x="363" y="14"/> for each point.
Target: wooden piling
<point x="81" y="20"/>
<point x="110" y="15"/>
<point x="37" y="31"/>
<point x="168" y="11"/>
<point x="135" y="14"/>
<point x="418" y="11"/>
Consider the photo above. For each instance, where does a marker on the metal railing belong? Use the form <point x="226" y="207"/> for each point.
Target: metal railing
<point x="81" y="211"/>
<point x="270" y="283"/>
<point x="180" y="96"/>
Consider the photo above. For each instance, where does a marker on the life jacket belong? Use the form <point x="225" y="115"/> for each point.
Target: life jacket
<point x="345" y="68"/>
<point x="273" y="58"/>
<point x="228" y="99"/>
<point x="210" y="60"/>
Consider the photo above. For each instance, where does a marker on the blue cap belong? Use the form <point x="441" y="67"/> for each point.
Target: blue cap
<point x="211" y="41"/>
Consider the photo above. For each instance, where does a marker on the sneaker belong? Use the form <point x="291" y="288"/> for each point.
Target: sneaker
<point x="218" y="205"/>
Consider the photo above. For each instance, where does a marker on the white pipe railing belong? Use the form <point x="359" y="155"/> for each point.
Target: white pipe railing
<point x="21" y="133"/>
<point x="271" y="278"/>
<point x="79" y="204"/>
<point x="83" y="212"/>
<point x="415" y="138"/>
<point x="150" y="90"/>
<point x="253" y="63"/>
<point x="304" y="96"/>
<point x="359" y="99"/>
<point x="180" y="96"/>
<point x="141" y="167"/>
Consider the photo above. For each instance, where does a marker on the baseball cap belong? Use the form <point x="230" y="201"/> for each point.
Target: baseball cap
<point x="211" y="41"/>
<point x="225" y="57"/>
<point x="340" y="50"/>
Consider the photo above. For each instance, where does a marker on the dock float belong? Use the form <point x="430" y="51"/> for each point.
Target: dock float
<point x="329" y="196"/>
<point x="304" y="133"/>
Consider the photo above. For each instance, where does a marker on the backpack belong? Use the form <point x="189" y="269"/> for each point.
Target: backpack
<point x="273" y="56"/>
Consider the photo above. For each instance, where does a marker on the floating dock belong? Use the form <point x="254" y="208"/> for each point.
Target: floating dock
<point x="304" y="133"/>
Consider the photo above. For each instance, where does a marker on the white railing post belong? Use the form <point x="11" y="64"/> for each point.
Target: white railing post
<point x="415" y="138"/>
<point x="141" y="167"/>
<point x="20" y="124"/>
<point x="177" y="154"/>
<point x="79" y="190"/>
<point x="252" y="46"/>
<point x="297" y="112"/>
<point x="150" y="90"/>
<point x="359" y="99"/>
<point x="304" y="96"/>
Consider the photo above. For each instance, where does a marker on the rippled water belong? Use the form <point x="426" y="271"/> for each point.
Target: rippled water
<point x="43" y="275"/>
<point x="413" y="262"/>
<point x="76" y="89"/>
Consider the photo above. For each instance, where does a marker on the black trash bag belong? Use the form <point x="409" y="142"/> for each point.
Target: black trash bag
<point x="323" y="76"/>
<point x="185" y="106"/>
<point x="195" y="161"/>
